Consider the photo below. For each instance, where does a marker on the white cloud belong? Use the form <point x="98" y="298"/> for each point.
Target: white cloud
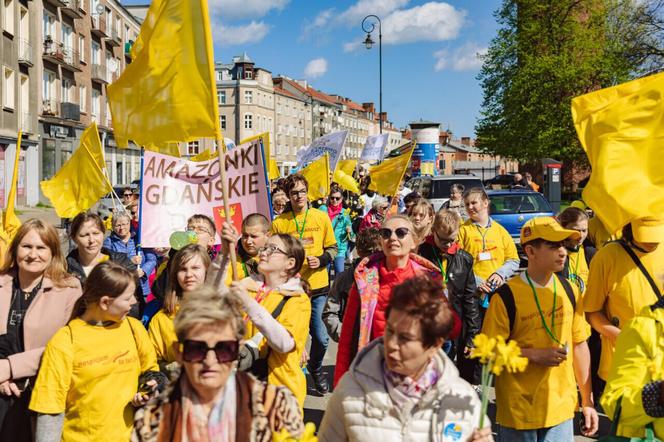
<point x="465" y="58"/>
<point x="352" y="46"/>
<point x="234" y="9"/>
<point x="239" y="35"/>
<point x="319" y="24"/>
<point x="431" y="21"/>
<point x="315" y="68"/>
<point x="353" y="15"/>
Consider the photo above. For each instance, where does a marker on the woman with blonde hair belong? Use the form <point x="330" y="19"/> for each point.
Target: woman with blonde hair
<point x="37" y="296"/>
<point x="188" y="270"/>
<point x="421" y="214"/>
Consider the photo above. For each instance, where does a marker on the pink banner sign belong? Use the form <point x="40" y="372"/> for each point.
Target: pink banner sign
<point x="175" y="189"/>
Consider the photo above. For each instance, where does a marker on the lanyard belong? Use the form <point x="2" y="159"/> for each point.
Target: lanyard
<point x="304" y="223"/>
<point x="575" y="275"/>
<point x="442" y="268"/>
<point x="244" y="267"/>
<point x="483" y="235"/>
<point x="550" y="331"/>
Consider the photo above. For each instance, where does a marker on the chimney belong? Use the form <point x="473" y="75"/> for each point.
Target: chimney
<point x="465" y="141"/>
<point x="369" y="107"/>
<point x="302" y="83"/>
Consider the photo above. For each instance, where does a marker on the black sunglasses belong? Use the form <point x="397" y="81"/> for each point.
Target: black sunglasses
<point x="335" y="198"/>
<point x="401" y="232"/>
<point x="196" y="351"/>
<point x="128" y="194"/>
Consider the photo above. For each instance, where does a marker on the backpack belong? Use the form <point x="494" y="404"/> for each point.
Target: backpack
<point x="505" y="293"/>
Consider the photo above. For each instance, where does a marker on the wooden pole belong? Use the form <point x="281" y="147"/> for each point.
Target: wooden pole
<point x="221" y="151"/>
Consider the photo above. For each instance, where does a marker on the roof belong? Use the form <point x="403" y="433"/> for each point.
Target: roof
<point x="244" y="58"/>
<point x="423" y="123"/>
<point x="455" y="144"/>
<point x="284" y="92"/>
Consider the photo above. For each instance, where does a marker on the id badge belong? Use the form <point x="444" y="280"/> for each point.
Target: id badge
<point x="484" y="256"/>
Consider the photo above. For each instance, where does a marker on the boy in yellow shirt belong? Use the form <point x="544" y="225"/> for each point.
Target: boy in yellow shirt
<point x="544" y="314"/>
<point x="255" y="233"/>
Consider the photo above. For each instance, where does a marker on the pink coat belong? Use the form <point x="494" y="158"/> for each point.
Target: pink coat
<point x="48" y="312"/>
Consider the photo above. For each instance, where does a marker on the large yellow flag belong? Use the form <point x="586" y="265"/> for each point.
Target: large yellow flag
<point x="272" y="168"/>
<point x="318" y="176"/>
<point x="168" y="93"/>
<point x="80" y="182"/>
<point x="347" y="166"/>
<point x="10" y="222"/>
<point x="202" y="156"/>
<point x="621" y="131"/>
<point x="386" y="176"/>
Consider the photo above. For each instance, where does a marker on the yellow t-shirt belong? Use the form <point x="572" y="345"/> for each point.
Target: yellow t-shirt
<point x="315" y="230"/>
<point x="480" y="242"/>
<point x="162" y="335"/>
<point x="540" y="396"/>
<point x="242" y="268"/>
<point x="618" y="288"/>
<point x="90" y="373"/>
<point x="598" y="234"/>
<point x="578" y="268"/>
<point x="284" y="368"/>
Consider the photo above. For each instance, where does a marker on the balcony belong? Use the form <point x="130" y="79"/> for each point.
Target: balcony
<point x="73" y="8"/>
<point x="98" y="25"/>
<point x="58" y="3"/>
<point x="100" y="73"/>
<point x="50" y="107"/>
<point x="26" y="123"/>
<point x="114" y="39"/>
<point x="24" y="52"/>
<point x="71" y="111"/>
<point x="58" y="53"/>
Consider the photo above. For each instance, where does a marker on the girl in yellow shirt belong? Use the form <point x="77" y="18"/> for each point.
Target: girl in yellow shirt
<point x="88" y="382"/>
<point x="187" y="272"/>
<point x="277" y="336"/>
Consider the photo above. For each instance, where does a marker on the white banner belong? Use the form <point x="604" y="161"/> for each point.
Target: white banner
<point x="332" y="144"/>
<point x="374" y="148"/>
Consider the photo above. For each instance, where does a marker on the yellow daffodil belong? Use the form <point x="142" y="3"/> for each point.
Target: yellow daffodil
<point x="309" y="435"/>
<point x="108" y="222"/>
<point x="484" y="348"/>
<point x="508" y="356"/>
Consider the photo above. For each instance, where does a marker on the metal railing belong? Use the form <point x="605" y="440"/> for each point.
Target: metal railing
<point x="50" y="106"/>
<point x="58" y="52"/>
<point x="24" y="51"/>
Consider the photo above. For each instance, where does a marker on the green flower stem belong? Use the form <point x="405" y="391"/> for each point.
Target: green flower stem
<point x="486" y="381"/>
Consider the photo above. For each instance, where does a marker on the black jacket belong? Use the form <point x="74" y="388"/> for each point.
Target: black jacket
<point x="461" y="286"/>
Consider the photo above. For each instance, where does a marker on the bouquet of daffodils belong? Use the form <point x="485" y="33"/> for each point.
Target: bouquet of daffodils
<point x="309" y="435"/>
<point x="495" y="355"/>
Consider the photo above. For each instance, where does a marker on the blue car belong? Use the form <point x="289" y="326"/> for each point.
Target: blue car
<point x="513" y="207"/>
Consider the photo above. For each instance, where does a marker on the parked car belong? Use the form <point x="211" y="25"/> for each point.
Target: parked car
<point x="513" y="207"/>
<point x="437" y="189"/>
<point x="500" y="180"/>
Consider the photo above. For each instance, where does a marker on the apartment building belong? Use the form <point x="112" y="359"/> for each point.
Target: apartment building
<point x="293" y="127"/>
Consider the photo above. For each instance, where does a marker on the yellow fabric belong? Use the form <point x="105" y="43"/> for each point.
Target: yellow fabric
<point x="242" y="271"/>
<point x="162" y="336"/>
<point x="386" y="176"/>
<point x="620" y="129"/>
<point x="168" y="93"/>
<point x="638" y="361"/>
<point x="203" y="156"/>
<point x="347" y="166"/>
<point x="578" y="266"/>
<point x="80" y="182"/>
<point x="619" y="289"/>
<point x="171" y="149"/>
<point x="4" y="245"/>
<point x="10" y="222"/>
<point x="284" y="368"/>
<point x="497" y="241"/>
<point x="272" y="169"/>
<point x="346" y="181"/>
<point x="540" y="396"/>
<point x="318" y="234"/>
<point x="317" y="174"/>
<point x="91" y="374"/>
<point x="598" y="233"/>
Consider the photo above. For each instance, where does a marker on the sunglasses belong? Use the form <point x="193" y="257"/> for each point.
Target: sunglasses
<point x="335" y="198"/>
<point x="127" y="194"/>
<point x="196" y="351"/>
<point x="401" y="232"/>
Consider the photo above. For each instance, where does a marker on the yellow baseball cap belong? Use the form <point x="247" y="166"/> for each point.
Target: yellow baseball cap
<point x="649" y="229"/>
<point x="579" y="204"/>
<point x="546" y="228"/>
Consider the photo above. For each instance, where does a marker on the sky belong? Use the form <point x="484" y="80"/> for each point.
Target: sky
<point x="430" y="50"/>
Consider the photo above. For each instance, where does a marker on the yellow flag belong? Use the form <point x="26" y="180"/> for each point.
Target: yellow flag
<point x="318" y="176"/>
<point x="172" y="149"/>
<point x="346" y="181"/>
<point x="168" y="93"/>
<point x="621" y="130"/>
<point x="10" y="222"/>
<point x="347" y="166"/>
<point x="386" y="176"/>
<point x="80" y="182"/>
<point x="203" y="156"/>
<point x="272" y="169"/>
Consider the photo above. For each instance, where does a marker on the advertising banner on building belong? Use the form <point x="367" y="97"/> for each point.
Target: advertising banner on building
<point x="332" y="144"/>
<point x="374" y="148"/>
<point x="175" y="189"/>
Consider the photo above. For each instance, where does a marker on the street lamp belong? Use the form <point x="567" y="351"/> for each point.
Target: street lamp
<point x="368" y="43"/>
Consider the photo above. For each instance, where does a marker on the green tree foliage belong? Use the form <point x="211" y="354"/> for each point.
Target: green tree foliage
<point x="548" y="51"/>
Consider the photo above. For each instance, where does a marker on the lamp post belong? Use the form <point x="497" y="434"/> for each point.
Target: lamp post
<point x="368" y="43"/>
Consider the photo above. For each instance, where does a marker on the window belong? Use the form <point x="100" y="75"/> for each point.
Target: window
<point x="247" y="75"/>
<point x="9" y="89"/>
<point x="96" y="104"/>
<point x="83" y="98"/>
<point x="248" y="97"/>
<point x="96" y="52"/>
<point x="81" y="48"/>
<point x="67" y="37"/>
<point x="222" y="122"/>
<point x="66" y="89"/>
<point x="48" y="26"/>
<point x="24" y="24"/>
<point x="221" y="97"/>
<point x="248" y="121"/>
<point x="8" y="24"/>
<point x="192" y="148"/>
<point x="48" y="84"/>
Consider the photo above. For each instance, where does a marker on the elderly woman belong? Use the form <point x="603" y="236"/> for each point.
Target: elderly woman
<point x="376" y="215"/>
<point x="37" y="296"/>
<point x="375" y="277"/>
<point x="211" y="400"/>
<point x="403" y="384"/>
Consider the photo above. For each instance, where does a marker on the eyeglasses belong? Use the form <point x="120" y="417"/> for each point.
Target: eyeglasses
<point x="335" y="198"/>
<point x="296" y="193"/>
<point x="270" y="250"/>
<point x="444" y="241"/>
<point x="199" y="230"/>
<point x="196" y="351"/>
<point x="401" y="232"/>
<point x="384" y="207"/>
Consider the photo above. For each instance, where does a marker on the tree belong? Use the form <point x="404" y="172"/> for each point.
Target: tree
<point x="548" y="51"/>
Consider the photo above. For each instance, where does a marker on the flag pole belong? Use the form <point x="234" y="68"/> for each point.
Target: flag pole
<point x="221" y="152"/>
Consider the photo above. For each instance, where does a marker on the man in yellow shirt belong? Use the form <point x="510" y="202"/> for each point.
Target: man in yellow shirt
<point x="544" y="314"/>
<point x="617" y="288"/>
<point x="314" y="228"/>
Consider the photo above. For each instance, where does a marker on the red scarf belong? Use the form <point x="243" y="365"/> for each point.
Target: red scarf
<point x="333" y="211"/>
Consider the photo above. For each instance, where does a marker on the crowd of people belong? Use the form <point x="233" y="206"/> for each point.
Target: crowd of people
<point x="117" y="342"/>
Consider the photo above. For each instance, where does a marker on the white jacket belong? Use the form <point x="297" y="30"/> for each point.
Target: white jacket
<point x="361" y="408"/>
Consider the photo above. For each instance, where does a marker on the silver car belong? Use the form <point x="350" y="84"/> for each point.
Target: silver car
<point x="437" y="189"/>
